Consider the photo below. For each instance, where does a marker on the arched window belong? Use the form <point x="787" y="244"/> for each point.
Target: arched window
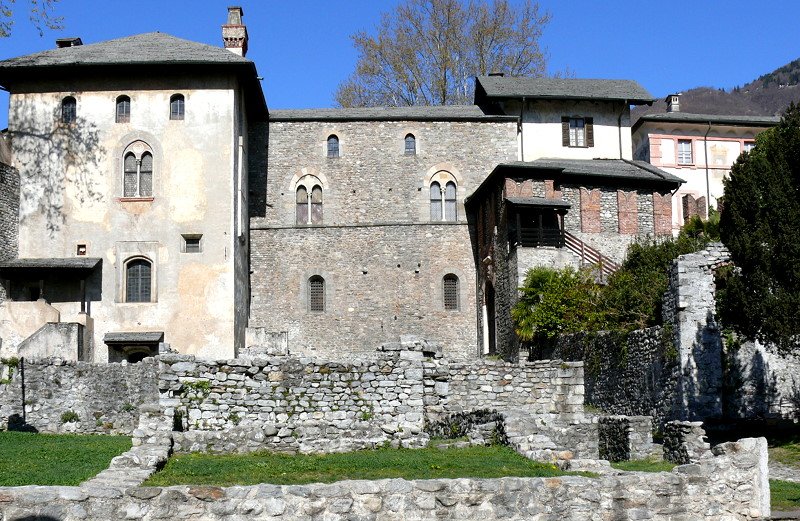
<point x="316" y="294"/>
<point x="436" y="201"/>
<point x="69" y="110"/>
<point x="137" y="167"/>
<point x="309" y="201"/>
<point x="138" y="281"/>
<point x="444" y="202"/>
<point x="123" y="109"/>
<point x="176" y="106"/>
<point x="450" y="202"/>
<point x="302" y="205"/>
<point x="333" y="146"/>
<point x="450" y="292"/>
<point x="411" y="145"/>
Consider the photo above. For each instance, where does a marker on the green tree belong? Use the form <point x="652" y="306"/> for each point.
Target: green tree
<point x="40" y="13"/>
<point x="760" y="225"/>
<point x="426" y="52"/>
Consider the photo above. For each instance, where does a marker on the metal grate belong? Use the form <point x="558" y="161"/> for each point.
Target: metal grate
<point x="69" y="110"/>
<point x="123" y="109"/>
<point x="138" y="281"/>
<point x="316" y="294"/>
<point x="176" y="107"/>
<point x="450" y="292"/>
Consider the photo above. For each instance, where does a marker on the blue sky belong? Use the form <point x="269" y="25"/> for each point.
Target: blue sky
<point x="303" y="50"/>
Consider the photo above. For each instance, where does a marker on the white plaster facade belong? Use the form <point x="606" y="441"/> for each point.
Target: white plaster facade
<point x="714" y="142"/>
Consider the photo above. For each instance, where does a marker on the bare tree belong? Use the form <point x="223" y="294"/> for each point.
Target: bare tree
<point x="426" y="52"/>
<point x="40" y="13"/>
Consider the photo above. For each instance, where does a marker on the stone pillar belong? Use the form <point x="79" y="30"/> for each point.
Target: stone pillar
<point x="590" y="210"/>
<point x="685" y="442"/>
<point x="628" y="208"/>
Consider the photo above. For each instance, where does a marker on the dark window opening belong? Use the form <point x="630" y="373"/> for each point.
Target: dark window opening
<point x="537" y="227"/>
<point x="450" y="289"/>
<point x="177" y="106"/>
<point x="411" y="145"/>
<point x="69" y="110"/>
<point x="138" y="281"/>
<point x="191" y="243"/>
<point x="123" y="109"/>
<point x="316" y="294"/>
<point x="333" y="146"/>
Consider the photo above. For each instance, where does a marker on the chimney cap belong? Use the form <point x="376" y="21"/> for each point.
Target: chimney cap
<point x="235" y="14"/>
<point x="68" y="42"/>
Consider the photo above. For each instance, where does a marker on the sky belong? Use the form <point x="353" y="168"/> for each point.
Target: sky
<point x="302" y="48"/>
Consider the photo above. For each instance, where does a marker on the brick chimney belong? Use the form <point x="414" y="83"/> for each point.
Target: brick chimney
<point x="234" y="33"/>
<point x="673" y="102"/>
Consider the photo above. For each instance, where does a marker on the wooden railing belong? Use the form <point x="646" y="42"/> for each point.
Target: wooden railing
<point x="590" y="256"/>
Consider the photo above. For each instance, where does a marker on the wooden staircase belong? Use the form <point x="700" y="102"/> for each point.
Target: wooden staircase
<point x="590" y="256"/>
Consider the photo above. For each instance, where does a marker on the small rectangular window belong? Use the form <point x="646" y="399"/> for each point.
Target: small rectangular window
<point x="192" y="243"/>
<point x="81" y="249"/>
<point x="684" y="151"/>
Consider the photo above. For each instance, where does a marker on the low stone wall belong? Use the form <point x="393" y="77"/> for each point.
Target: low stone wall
<point x="541" y="387"/>
<point x="636" y="375"/>
<point x="53" y="395"/>
<point x="623" y="438"/>
<point x="685" y="442"/>
<point x="731" y="486"/>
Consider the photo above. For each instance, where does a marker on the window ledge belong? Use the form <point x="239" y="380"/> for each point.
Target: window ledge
<point x="135" y="199"/>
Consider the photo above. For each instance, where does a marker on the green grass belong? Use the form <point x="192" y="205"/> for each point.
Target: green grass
<point x="785" y="495"/>
<point x="282" y="469"/>
<point x="55" y="459"/>
<point x="785" y="451"/>
<point x="644" y="465"/>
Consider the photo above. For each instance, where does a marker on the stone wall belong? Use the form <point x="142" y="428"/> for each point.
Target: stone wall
<point x="53" y="395"/>
<point x="623" y="438"/>
<point x="732" y="486"/>
<point x="9" y="215"/>
<point x="293" y="404"/>
<point x="380" y="254"/>
<point x="634" y="375"/>
<point x="685" y="442"/>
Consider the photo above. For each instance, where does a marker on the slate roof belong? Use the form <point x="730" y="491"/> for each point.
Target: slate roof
<point x="134" y="337"/>
<point x="150" y="48"/>
<point x="714" y="119"/>
<point x="495" y="88"/>
<point x="538" y="201"/>
<point x="417" y="113"/>
<point x="591" y="172"/>
<point x="83" y="263"/>
<point x="163" y="54"/>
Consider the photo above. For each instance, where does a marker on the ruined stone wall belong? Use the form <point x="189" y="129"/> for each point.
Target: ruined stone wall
<point x="541" y="387"/>
<point x="53" y="395"/>
<point x="633" y="375"/>
<point x="731" y="486"/>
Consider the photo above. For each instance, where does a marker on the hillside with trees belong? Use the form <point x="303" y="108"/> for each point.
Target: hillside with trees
<point x="768" y="95"/>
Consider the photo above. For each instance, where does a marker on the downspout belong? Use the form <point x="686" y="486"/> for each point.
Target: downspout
<point x="619" y="126"/>
<point x="705" y="149"/>
<point x="521" y="131"/>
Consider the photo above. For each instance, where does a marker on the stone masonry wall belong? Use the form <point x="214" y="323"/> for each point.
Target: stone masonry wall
<point x="731" y="486"/>
<point x="381" y="255"/>
<point x="380" y="282"/>
<point x="9" y="215"/>
<point x="60" y="396"/>
<point x="635" y="375"/>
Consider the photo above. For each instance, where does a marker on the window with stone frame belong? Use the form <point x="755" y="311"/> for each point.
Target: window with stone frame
<point x="138" y="280"/>
<point x="177" y="107"/>
<point x="577" y="132"/>
<point x="69" y="110"/>
<point x="450" y="292"/>
<point x="123" y="110"/>
<point x="316" y="294"/>
<point x="444" y="202"/>
<point x="308" y="199"/>
<point x="410" y="145"/>
<point x="333" y="146"/>
<point x="137" y="168"/>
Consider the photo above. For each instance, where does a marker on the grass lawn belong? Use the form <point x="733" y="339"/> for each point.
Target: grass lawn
<point x="785" y="451"/>
<point x="282" y="469"/>
<point x="55" y="459"/>
<point x="644" y="465"/>
<point x="785" y="495"/>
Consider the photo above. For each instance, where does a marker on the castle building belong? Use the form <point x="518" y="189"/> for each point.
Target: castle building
<point x="699" y="148"/>
<point x="172" y="208"/>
